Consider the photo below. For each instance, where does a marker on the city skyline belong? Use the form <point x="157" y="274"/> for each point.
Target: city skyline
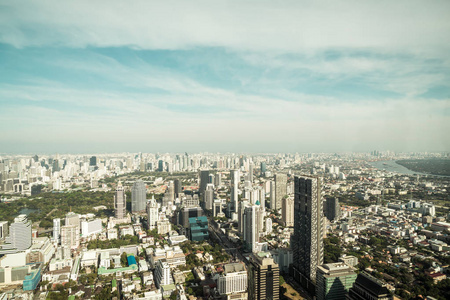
<point x="229" y="77"/>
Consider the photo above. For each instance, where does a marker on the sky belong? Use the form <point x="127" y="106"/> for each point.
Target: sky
<point x="224" y="76"/>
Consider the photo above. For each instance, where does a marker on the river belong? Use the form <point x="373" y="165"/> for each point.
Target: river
<point x="392" y="166"/>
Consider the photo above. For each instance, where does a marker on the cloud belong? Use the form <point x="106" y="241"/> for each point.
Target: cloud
<point x="241" y="25"/>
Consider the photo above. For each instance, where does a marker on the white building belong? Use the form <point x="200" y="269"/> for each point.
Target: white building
<point x="91" y="227"/>
<point x="56" y="229"/>
<point x="162" y="273"/>
<point x="152" y="211"/>
<point x="233" y="280"/>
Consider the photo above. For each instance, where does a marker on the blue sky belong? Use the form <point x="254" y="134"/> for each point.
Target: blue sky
<point x="242" y="76"/>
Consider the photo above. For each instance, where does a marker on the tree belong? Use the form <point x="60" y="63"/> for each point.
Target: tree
<point x="123" y="259"/>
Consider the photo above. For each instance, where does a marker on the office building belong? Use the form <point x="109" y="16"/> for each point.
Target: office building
<point x="233" y="280"/>
<point x="334" y="280"/>
<point x="263" y="168"/>
<point x="152" y="213"/>
<point x="186" y="213"/>
<point x="177" y="187"/>
<point x="70" y="236"/>
<point x="332" y="209"/>
<point x="234" y="175"/>
<point x="307" y="240"/>
<point x="251" y="228"/>
<point x="20" y="233"/>
<point x="56" y="229"/>
<point x="287" y="211"/>
<point x="120" y="205"/>
<point x="368" y="287"/>
<point x="93" y="161"/>
<point x="198" y="229"/>
<point x="138" y="196"/>
<point x="209" y="196"/>
<point x="280" y="190"/>
<point x="204" y="180"/>
<point x="264" y="276"/>
<point x="91" y="227"/>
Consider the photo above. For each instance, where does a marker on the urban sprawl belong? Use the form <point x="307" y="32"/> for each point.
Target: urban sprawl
<point x="223" y="226"/>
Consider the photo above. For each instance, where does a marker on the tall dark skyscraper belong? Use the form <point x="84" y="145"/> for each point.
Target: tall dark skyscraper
<point x="204" y="180"/>
<point x="307" y="240"/>
<point x="263" y="168"/>
<point x="120" y="202"/>
<point x="93" y="161"/>
<point x="332" y="209"/>
<point x="177" y="185"/>
<point x="138" y="196"/>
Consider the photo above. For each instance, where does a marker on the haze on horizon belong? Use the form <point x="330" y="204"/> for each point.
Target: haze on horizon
<point x="224" y="76"/>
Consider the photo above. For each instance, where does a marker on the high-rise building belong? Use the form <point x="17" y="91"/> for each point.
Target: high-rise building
<point x="334" y="280"/>
<point x="177" y="186"/>
<point x="307" y="240"/>
<point x="251" y="233"/>
<point x="152" y="213"/>
<point x="264" y="276"/>
<point x="162" y="273"/>
<point x="56" y="229"/>
<point x="234" y="175"/>
<point x="332" y="209"/>
<point x="368" y="287"/>
<point x="234" y="280"/>
<point x="287" y="211"/>
<point x="93" y="161"/>
<point x="20" y="233"/>
<point x="209" y="196"/>
<point x="138" y="196"/>
<point x="120" y="204"/>
<point x="240" y="212"/>
<point x="204" y="180"/>
<point x="263" y="168"/>
<point x="250" y="172"/>
<point x="70" y="236"/>
<point x="280" y="190"/>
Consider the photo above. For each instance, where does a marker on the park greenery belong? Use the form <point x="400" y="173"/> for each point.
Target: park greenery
<point x="47" y="206"/>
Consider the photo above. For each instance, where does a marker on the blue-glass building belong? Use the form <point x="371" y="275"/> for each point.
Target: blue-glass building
<point x="198" y="228"/>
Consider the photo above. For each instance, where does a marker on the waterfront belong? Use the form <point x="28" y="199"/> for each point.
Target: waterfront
<point x="392" y="166"/>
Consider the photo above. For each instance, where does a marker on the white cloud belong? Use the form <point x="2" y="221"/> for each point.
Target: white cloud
<point x="242" y="25"/>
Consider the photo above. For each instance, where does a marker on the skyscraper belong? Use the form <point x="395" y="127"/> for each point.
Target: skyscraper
<point x="263" y="168"/>
<point x="251" y="233"/>
<point x="209" y="196"/>
<point x="56" y="229"/>
<point x="280" y="190"/>
<point x="20" y="233"/>
<point x="204" y="180"/>
<point x="287" y="211"/>
<point x="332" y="209"/>
<point x="264" y="276"/>
<point x="234" y="175"/>
<point x="334" y="280"/>
<point x="307" y="242"/>
<point x="177" y="186"/>
<point x="120" y="204"/>
<point x="152" y="213"/>
<point x="138" y="196"/>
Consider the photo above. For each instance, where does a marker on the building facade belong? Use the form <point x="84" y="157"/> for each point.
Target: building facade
<point x="138" y="196"/>
<point x="264" y="276"/>
<point x="307" y="240"/>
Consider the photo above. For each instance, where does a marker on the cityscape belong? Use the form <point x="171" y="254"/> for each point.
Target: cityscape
<point x="224" y="150"/>
<point x="224" y="226"/>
